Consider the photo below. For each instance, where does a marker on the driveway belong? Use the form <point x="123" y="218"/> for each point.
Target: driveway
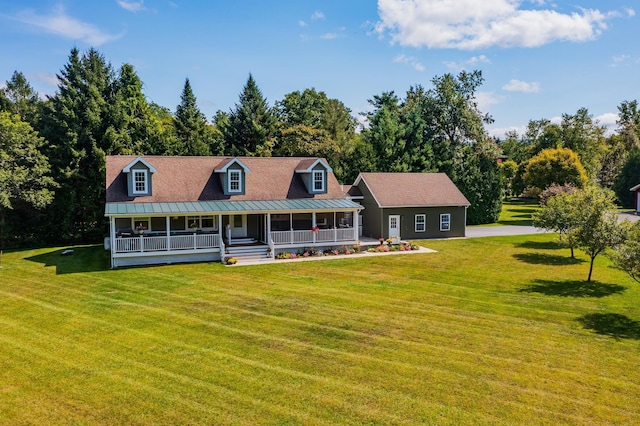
<point x="499" y="231"/>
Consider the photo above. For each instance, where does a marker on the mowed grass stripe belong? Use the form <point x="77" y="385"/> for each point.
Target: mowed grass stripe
<point x="492" y="371"/>
<point x="236" y="330"/>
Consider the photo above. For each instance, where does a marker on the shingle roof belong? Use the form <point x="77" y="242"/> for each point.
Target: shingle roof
<point x="180" y="179"/>
<point x="412" y="189"/>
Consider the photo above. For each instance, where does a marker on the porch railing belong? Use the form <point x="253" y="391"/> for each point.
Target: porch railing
<point x="143" y="244"/>
<point x="309" y="237"/>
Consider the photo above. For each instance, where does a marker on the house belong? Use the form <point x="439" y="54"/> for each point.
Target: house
<point x="164" y="209"/>
<point x="636" y="190"/>
<point x="410" y="205"/>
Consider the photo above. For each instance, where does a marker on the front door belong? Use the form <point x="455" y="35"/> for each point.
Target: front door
<point x="238" y="224"/>
<point x="394" y="226"/>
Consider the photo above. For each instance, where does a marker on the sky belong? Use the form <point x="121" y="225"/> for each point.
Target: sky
<point x="539" y="58"/>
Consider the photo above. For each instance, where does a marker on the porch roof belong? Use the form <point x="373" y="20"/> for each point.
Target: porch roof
<point x="200" y="207"/>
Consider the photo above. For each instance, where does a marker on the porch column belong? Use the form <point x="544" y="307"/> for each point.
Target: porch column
<point x="313" y="225"/>
<point x="355" y="225"/>
<point x="291" y="227"/>
<point x="335" y="228"/>
<point x="112" y="229"/>
<point x="268" y="228"/>
<point x="167" y="222"/>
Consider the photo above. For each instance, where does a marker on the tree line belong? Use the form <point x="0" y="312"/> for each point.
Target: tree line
<point x="52" y="150"/>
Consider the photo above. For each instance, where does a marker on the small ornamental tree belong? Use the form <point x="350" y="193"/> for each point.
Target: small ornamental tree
<point x="558" y="215"/>
<point x="558" y="166"/>
<point x="627" y="255"/>
<point x="597" y="226"/>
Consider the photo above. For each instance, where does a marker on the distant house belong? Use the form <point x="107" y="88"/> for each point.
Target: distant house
<point x="410" y="205"/>
<point x="183" y="209"/>
<point x="636" y="190"/>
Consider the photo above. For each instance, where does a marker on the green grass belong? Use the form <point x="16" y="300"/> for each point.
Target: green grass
<point x="486" y="331"/>
<point x="515" y="213"/>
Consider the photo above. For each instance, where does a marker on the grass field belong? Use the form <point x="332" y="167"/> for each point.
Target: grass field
<point x="515" y="213"/>
<point x="485" y="331"/>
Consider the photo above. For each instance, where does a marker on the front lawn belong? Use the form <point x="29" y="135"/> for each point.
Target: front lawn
<point x="485" y="331"/>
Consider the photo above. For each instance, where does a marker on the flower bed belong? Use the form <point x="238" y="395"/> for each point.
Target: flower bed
<point x="346" y="250"/>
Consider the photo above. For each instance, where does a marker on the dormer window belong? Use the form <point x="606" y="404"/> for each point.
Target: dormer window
<point x="139" y="175"/>
<point x="318" y="181"/>
<point x="140" y="182"/>
<point x="235" y="180"/>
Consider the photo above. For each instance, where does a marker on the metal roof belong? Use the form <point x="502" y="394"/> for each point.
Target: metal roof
<point x="199" y="207"/>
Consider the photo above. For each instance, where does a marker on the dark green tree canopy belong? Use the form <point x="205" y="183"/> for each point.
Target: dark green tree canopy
<point x="191" y="125"/>
<point x="252" y="124"/>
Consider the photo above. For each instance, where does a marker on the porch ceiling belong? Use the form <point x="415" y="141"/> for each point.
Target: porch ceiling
<point x="200" y="207"/>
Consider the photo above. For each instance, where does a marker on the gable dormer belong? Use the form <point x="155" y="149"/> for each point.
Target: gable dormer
<point x="314" y="174"/>
<point x="232" y="174"/>
<point x="139" y="182"/>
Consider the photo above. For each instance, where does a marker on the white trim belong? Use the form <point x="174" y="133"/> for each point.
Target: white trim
<point x="229" y="181"/>
<point x="234" y="160"/>
<point x="635" y="188"/>
<point x="424" y="222"/>
<point x="310" y="168"/>
<point x="322" y="181"/>
<point x="448" y="222"/>
<point x="127" y="169"/>
<point x="145" y="173"/>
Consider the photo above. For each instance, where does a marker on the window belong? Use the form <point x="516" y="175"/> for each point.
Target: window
<point x="421" y="222"/>
<point x="140" y="182"/>
<point x="234" y="181"/>
<point x="208" y="222"/>
<point x="445" y="222"/>
<point x="318" y="181"/>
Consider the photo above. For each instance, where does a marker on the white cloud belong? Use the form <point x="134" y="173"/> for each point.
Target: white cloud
<point x="479" y="59"/>
<point x="317" y="15"/>
<point x="608" y="120"/>
<point x="522" y="86"/>
<point x="409" y="60"/>
<point x="473" y="24"/>
<point x="46" y="78"/>
<point x="131" y="6"/>
<point x="329" y="36"/>
<point x="630" y="12"/>
<point x="486" y="99"/>
<point x="619" y="60"/>
<point x="61" y="24"/>
<point x="302" y="23"/>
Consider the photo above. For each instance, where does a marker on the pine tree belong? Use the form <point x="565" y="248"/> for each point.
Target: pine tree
<point x="191" y="124"/>
<point x="252" y="124"/>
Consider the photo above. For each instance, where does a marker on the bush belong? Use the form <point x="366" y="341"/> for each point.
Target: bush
<point x="555" y="189"/>
<point x="559" y="166"/>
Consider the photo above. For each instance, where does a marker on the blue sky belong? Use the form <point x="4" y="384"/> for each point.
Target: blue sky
<point x="539" y="58"/>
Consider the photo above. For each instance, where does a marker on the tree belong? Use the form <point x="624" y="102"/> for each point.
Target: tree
<point x="191" y="124"/>
<point x="24" y="171"/>
<point x="558" y="166"/>
<point x="18" y="97"/>
<point x="627" y="255"/>
<point x="509" y="170"/>
<point x="480" y="180"/>
<point x="515" y="148"/>
<point x="75" y="123"/>
<point x="384" y="133"/>
<point x="558" y="215"/>
<point x="252" y="124"/>
<point x="585" y="137"/>
<point x="628" y="177"/>
<point x="597" y="222"/>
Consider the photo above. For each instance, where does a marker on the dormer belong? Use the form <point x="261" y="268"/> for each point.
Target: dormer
<point x="314" y="174"/>
<point x="232" y="174"/>
<point x="139" y="182"/>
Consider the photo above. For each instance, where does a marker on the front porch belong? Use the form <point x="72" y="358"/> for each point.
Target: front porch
<point x="136" y="240"/>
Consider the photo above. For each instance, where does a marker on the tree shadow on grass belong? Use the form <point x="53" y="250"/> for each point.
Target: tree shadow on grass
<point x="573" y="288"/>
<point x="81" y="259"/>
<point x="614" y="325"/>
<point x="546" y="259"/>
<point x="541" y="245"/>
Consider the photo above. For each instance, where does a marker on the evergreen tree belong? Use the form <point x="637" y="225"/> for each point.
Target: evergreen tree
<point x="74" y="122"/>
<point x="191" y="125"/>
<point x="18" y="97"/>
<point x="252" y="124"/>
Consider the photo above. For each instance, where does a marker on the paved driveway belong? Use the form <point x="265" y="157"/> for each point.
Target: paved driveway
<point x="498" y="231"/>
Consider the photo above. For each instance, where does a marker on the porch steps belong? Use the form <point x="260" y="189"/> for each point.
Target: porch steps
<point x="246" y="253"/>
<point x="243" y="241"/>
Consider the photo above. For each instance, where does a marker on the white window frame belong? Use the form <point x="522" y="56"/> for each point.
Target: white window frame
<point x="321" y="180"/>
<point x="445" y="222"/>
<point x="232" y="173"/>
<point x="423" y="223"/>
<point x="145" y="181"/>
